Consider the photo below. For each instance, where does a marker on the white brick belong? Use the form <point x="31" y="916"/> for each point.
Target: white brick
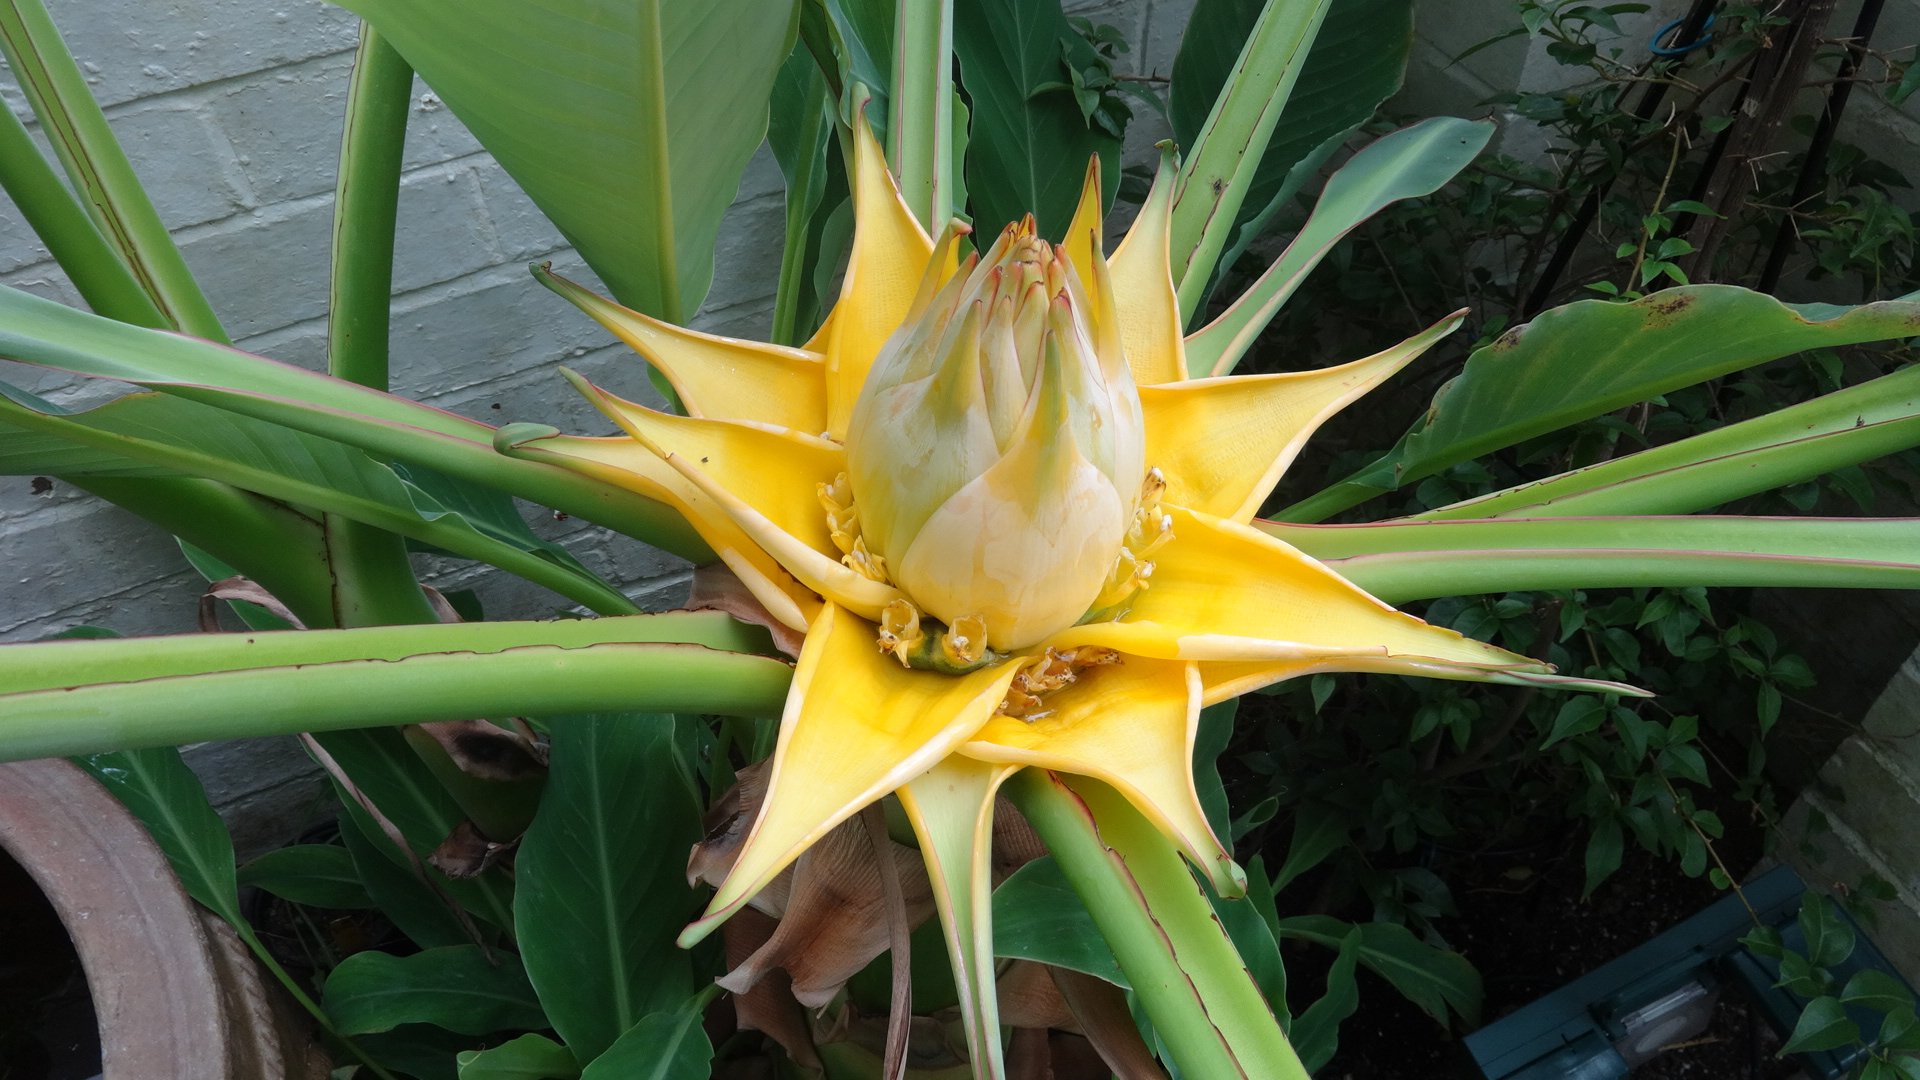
<point x="82" y="562"/>
<point x="265" y="269"/>
<point x="519" y="228"/>
<point x="304" y="344"/>
<point x="483" y="327"/>
<point x="538" y="394"/>
<point x="45" y="280"/>
<point x="434" y="134"/>
<point x="177" y="155"/>
<point x="442" y="231"/>
<point x="746" y="253"/>
<point x="284" y="125"/>
<point x="134" y="48"/>
<point x="19" y="247"/>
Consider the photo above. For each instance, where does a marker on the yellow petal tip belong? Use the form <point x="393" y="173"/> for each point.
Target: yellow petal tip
<point x="697" y="930"/>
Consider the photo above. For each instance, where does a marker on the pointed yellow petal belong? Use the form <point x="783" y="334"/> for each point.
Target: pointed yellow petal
<point x="1132" y="726"/>
<point x="1142" y="284"/>
<point x="890" y="253"/>
<point x="775" y="472"/>
<point x="624" y="463"/>
<point x="818" y="344"/>
<point x="1223" y="443"/>
<point x="824" y="574"/>
<point x="1083" y="241"/>
<point x="716" y="376"/>
<point x="1224" y="679"/>
<point x="951" y="808"/>
<point x="857" y="726"/>
<point x="1224" y="591"/>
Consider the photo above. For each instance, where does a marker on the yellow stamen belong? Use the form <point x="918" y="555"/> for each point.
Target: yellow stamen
<point x="1149" y="531"/>
<point x="843" y="526"/>
<point x="1043" y="675"/>
<point x="964" y="644"/>
<point x="927" y="645"/>
<point x="900" y="632"/>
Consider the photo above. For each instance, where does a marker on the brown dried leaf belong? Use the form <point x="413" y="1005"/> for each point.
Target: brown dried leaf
<point x="854" y="1044"/>
<point x="437" y="600"/>
<point x="726" y="826"/>
<point x="486" y="751"/>
<point x="1015" y="844"/>
<point x="1030" y="999"/>
<point x="1029" y="1055"/>
<point x="240" y="588"/>
<point x="836" y="921"/>
<point x="716" y="588"/>
<point x="1100" y="1012"/>
<point x="769" y="1006"/>
<point x="468" y="853"/>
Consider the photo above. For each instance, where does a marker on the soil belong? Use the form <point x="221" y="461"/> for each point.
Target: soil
<point x="1525" y="927"/>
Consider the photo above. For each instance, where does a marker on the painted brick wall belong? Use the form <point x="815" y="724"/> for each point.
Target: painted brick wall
<point x="231" y="112"/>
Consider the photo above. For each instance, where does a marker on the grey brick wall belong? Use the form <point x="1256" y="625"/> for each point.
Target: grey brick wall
<point x="231" y="113"/>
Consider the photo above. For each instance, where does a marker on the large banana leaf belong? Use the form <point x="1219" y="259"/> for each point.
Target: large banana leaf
<point x="1414" y="161"/>
<point x="1592" y="357"/>
<point x="1787" y="446"/>
<point x="154" y="434"/>
<point x="628" y="123"/>
<point x="42" y="332"/>
<point x="1029" y="145"/>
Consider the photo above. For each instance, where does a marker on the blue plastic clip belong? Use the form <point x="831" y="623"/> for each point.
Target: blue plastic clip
<point x="1679" y="50"/>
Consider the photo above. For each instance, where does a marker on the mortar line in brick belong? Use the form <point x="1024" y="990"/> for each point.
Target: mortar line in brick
<point x="1858" y="846"/>
<point x="174" y="92"/>
<point x="267" y="215"/>
<point x="70" y="615"/>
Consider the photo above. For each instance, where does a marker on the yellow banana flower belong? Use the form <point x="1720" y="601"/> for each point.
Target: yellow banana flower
<point x="1011" y="528"/>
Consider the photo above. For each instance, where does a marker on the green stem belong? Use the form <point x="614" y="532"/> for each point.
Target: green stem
<point x="366" y="203"/>
<point x="383" y="567"/>
<point x="84" y="143"/>
<point x="1204" y="1005"/>
<point x="374" y="584"/>
<point x="431" y="682"/>
<point x="1417" y="560"/>
<point x="1225" y="155"/>
<point x="1786" y="446"/>
<point x="51" y="665"/>
<point x="50" y="210"/>
<point x="39" y="331"/>
<point x="919" y="109"/>
<point x="373" y="580"/>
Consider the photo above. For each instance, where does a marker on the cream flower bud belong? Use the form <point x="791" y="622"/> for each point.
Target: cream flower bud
<point x="996" y="453"/>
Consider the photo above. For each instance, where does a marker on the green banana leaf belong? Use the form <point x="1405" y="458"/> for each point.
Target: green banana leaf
<point x="1588" y="358"/>
<point x="628" y="124"/>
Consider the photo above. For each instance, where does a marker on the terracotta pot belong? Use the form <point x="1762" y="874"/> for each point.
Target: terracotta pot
<point x="177" y="994"/>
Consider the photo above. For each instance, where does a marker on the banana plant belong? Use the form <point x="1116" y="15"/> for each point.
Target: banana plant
<point x="993" y="518"/>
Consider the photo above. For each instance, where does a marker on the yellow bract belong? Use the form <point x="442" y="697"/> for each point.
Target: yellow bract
<point x="761" y="464"/>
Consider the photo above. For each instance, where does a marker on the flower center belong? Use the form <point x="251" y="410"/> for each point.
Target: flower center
<point x="925" y="643"/>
